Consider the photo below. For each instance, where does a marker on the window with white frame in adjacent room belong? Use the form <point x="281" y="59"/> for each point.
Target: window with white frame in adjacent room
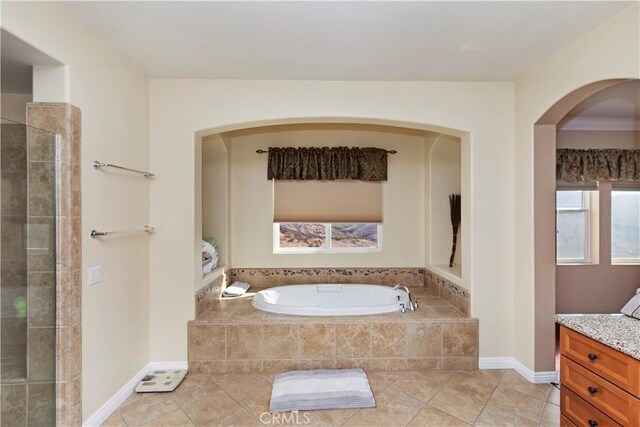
<point x="327" y="217"/>
<point x="576" y="226"/>
<point x="625" y="225"/>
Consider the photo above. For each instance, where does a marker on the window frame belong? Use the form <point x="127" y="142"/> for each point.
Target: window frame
<point x="328" y="249"/>
<point x="586" y="208"/>
<point x="621" y="261"/>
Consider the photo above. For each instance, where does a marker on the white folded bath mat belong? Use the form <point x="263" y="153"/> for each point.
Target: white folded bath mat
<point x="321" y="389"/>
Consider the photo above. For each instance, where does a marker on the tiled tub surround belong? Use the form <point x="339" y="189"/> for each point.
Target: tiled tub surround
<point x="232" y="336"/>
<point x="456" y="295"/>
<point x="208" y="296"/>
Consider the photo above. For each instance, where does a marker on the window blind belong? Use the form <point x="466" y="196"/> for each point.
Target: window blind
<point x="327" y="201"/>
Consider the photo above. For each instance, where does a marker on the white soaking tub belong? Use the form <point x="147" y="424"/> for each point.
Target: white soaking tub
<point x="330" y="299"/>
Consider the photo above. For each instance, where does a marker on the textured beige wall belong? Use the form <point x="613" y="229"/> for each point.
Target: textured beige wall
<point x="609" y="51"/>
<point x="403" y="195"/>
<point x="215" y="196"/>
<point x="114" y="100"/>
<point x="598" y="139"/>
<point x="444" y="179"/>
<point x="14" y="106"/>
<point x="484" y="110"/>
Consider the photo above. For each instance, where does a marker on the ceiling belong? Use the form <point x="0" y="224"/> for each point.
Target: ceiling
<point x="614" y="108"/>
<point x="333" y="40"/>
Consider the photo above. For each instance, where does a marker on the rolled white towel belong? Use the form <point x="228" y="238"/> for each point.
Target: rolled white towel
<point x="209" y="257"/>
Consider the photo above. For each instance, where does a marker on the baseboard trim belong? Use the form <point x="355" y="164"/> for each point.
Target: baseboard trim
<point x="543" y="377"/>
<point x="109" y="407"/>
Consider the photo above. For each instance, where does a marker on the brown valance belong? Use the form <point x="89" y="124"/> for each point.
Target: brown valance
<point x="327" y="163"/>
<point x="597" y="165"/>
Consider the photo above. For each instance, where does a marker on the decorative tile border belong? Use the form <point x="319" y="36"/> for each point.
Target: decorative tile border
<point x="209" y="294"/>
<point x="65" y="121"/>
<point x="459" y="297"/>
<point x="266" y="277"/>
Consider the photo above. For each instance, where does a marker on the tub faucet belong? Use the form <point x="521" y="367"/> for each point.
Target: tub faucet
<point x="411" y="305"/>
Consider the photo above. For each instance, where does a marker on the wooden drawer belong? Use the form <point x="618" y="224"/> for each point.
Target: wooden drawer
<point x="620" y="369"/>
<point x="578" y="412"/>
<point x="565" y="422"/>
<point x="610" y="399"/>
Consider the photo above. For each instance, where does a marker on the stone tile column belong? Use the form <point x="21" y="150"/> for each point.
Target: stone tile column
<point x="64" y="120"/>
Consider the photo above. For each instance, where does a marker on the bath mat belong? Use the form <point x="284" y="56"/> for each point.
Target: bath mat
<point x="321" y="389"/>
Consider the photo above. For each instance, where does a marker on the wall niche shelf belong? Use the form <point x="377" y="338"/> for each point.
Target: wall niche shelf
<point x="210" y="277"/>
<point x="453" y="274"/>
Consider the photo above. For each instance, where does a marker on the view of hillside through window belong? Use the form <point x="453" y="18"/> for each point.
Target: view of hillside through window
<point x="625" y="225"/>
<point x="320" y="235"/>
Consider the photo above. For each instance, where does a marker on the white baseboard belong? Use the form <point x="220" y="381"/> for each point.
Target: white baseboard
<point x="105" y="411"/>
<point x="512" y="363"/>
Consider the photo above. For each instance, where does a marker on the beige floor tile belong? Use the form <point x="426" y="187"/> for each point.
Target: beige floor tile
<point x="259" y="405"/>
<point x="213" y="409"/>
<point x="115" y="420"/>
<point x="550" y="415"/>
<point x="175" y="419"/>
<point x="554" y="395"/>
<point x="194" y="389"/>
<point x="243" y="387"/>
<point x="337" y="417"/>
<point x="379" y="380"/>
<point x="145" y="410"/>
<point x="432" y="417"/>
<point x="495" y="417"/>
<point x="459" y="405"/>
<point x="241" y="418"/>
<point x="371" y="418"/>
<point x="517" y="403"/>
<point x="398" y="406"/>
<point x="421" y="387"/>
<point x="475" y="386"/>
<point x="517" y="382"/>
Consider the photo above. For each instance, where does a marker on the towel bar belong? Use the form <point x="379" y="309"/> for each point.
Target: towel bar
<point x="99" y="166"/>
<point x="95" y="233"/>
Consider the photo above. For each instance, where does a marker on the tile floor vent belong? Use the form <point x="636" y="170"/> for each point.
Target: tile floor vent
<point x="161" y="381"/>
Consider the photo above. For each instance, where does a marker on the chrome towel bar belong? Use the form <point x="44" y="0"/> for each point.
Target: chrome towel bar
<point x="99" y="166"/>
<point x="95" y="233"/>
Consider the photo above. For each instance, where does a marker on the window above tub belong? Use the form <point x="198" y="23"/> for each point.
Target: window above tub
<point x="314" y="237"/>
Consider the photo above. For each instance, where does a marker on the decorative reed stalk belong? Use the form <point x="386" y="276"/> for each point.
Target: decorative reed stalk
<point x="454" y="203"/>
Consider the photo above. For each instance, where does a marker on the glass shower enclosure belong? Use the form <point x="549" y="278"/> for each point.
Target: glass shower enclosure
<point x="27" y="276"/>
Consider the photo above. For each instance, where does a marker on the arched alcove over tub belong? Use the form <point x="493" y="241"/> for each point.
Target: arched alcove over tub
<point x="221" y="137"/>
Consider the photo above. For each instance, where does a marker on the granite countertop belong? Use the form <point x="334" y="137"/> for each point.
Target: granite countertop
<point x="614" y="330"/>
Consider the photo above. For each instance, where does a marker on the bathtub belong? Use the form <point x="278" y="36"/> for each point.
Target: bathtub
<point x="330" y="300"/>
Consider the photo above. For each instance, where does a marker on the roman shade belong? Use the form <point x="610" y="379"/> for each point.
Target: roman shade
<point x="336" y="201"/>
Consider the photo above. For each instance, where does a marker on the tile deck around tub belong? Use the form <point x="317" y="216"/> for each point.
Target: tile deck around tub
<point x="233" y="336"/>
<point x="403" y="398"/>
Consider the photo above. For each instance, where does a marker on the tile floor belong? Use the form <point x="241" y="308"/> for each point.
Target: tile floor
<point x="409" y="398"/>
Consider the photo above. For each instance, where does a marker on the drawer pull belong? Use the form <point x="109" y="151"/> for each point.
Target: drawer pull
<point x="593" y="423"/>
<point x="592" y="390"/>
<point x="592" y="356"/>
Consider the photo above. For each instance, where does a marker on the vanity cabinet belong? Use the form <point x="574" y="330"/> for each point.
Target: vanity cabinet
<point x="600" y="385"/>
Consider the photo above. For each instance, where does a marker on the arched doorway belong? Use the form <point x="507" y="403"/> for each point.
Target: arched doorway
<point x="545" y="218"/>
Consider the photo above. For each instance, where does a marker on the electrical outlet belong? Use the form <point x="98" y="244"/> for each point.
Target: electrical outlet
<point x="95" y="275"/>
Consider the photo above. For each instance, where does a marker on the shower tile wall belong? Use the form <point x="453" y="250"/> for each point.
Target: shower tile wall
<point x="63" y="120"/>
<point x="27" y="276"/>
<point x="13" y="268"/>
